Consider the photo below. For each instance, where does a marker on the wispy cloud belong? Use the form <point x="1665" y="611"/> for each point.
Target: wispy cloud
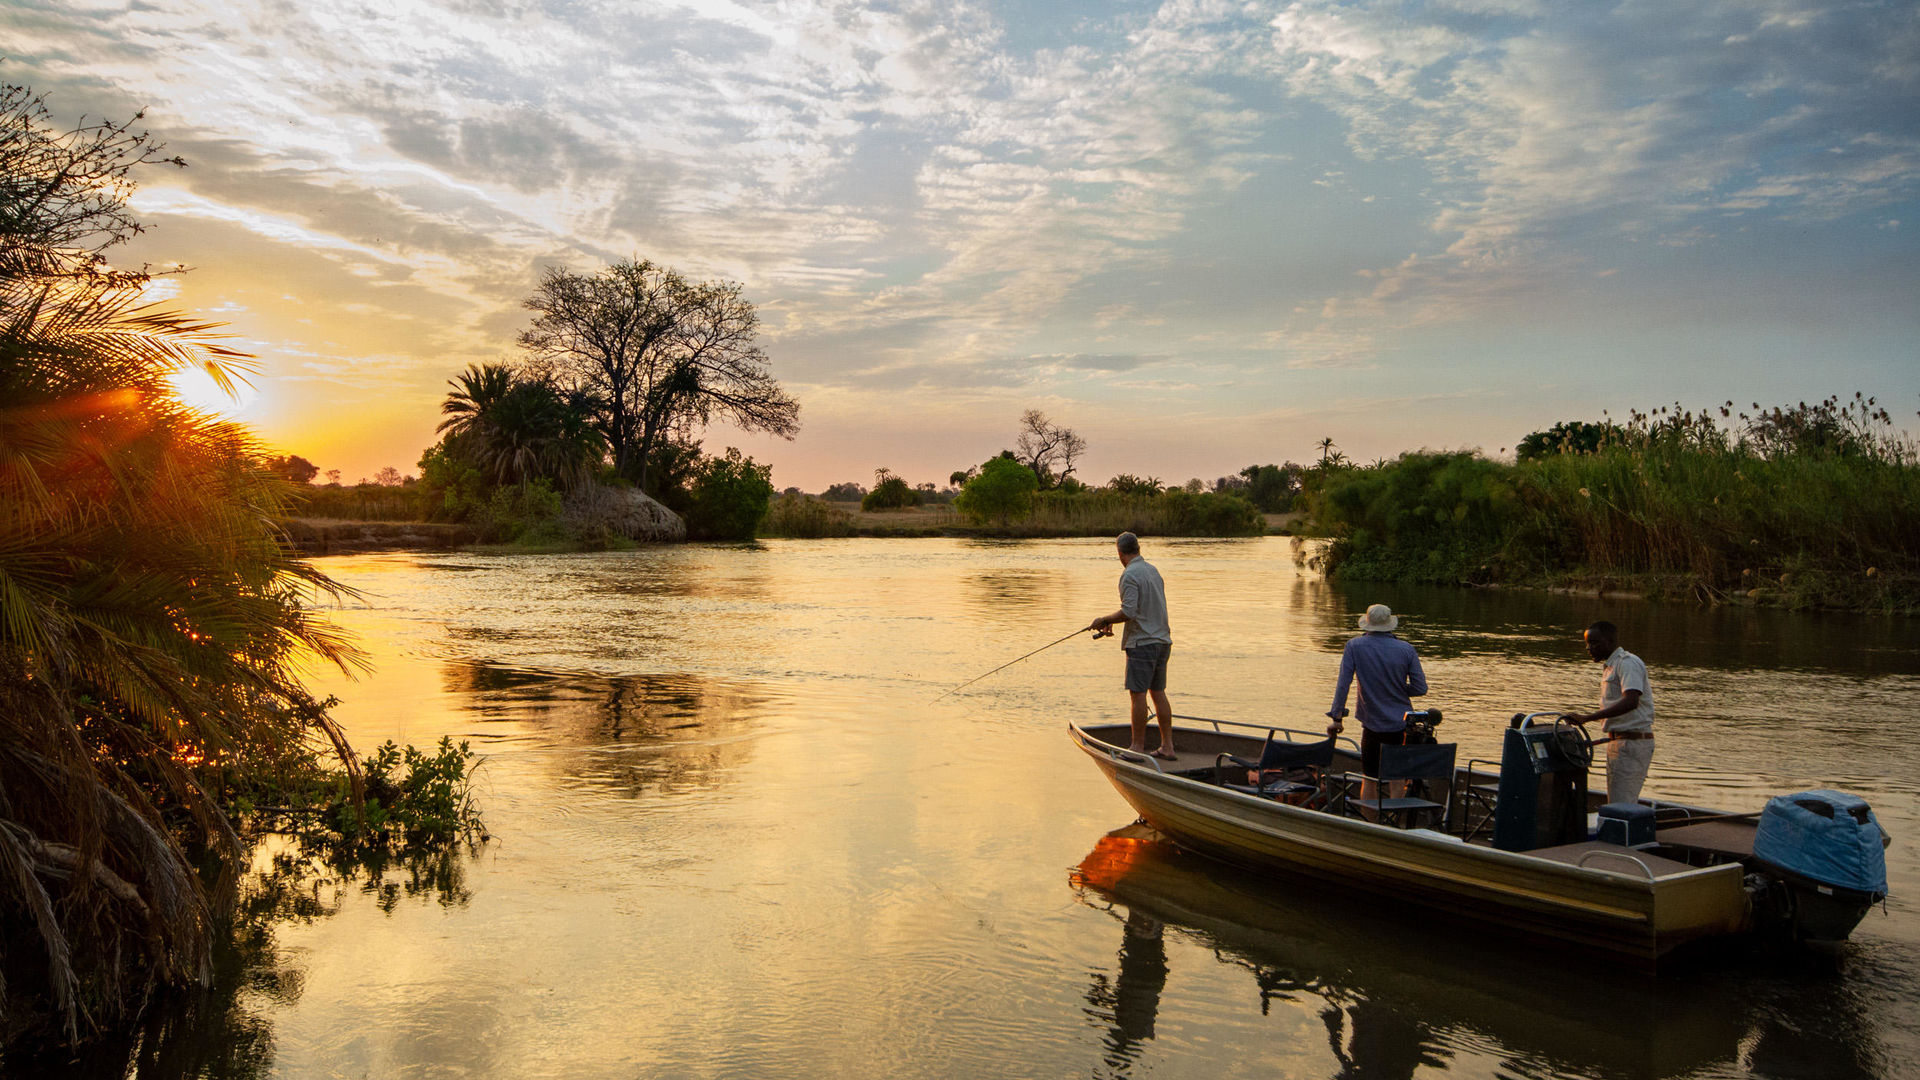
<point x="1176" y="201"/>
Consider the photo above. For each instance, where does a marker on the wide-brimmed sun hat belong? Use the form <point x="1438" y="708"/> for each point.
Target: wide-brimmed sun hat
<point x="1379" y="619"/>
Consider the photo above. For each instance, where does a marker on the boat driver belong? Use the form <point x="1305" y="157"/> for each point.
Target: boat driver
<point x="1626" y="704"/>
<point x="1390" y="678"/>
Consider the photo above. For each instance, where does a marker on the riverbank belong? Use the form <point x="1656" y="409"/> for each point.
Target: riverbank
<point x="337" y="536"/>
<point x="1668" y="513"/>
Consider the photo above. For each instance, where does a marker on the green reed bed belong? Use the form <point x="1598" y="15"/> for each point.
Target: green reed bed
<point x="366" y="502"/>
<point x="1098" y="512"/>
<point x="1676" y="505"/>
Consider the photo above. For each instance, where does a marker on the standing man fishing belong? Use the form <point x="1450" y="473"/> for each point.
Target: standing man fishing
<point x="1147" y="642"/>
<point x="1626" y="704"/>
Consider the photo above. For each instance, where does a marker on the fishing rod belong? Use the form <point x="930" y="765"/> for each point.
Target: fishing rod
<point x="1097" y="633"/>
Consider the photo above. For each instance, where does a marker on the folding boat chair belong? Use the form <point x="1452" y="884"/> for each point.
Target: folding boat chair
<point x="1479" y="798"/>
<point x="1426" y="761"/>
<point x="1287" y="771"/>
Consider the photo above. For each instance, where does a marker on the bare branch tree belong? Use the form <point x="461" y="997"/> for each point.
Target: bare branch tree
<point x="63" y="193"/>
<point x="655" y="355"/>
<point x="1050" y="450"/>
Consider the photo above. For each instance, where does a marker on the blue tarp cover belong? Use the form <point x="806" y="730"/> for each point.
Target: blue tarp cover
<point x="1839" y="850"/>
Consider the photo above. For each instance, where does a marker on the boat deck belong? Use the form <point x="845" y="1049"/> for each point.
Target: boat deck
<point x="1604" y="856"/>
<point x="1727" y="839"/>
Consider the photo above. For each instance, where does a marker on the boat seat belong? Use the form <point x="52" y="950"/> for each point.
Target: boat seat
<point x="1420" y="761"/>
<point x="1573" y="853"/>
<point x="1479" y="798"/>
<point x="1285" y="770"/>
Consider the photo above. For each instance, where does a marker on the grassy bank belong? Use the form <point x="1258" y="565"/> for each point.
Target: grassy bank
<point x="365" y="502"/>
<point x="1052" y="514"/>
<point x="1677" y="504"/>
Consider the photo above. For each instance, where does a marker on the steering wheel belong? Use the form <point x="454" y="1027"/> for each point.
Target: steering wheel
<point x="1571" y="742"/>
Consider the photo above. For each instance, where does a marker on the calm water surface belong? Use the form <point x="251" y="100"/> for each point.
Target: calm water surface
<point x="734" y="835"/>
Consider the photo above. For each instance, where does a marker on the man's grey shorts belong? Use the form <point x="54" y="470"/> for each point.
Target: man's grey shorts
<point x="1147" y="667"/>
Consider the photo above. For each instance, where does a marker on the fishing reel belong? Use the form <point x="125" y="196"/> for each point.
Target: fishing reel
<point x="1420" y="725"/>
<point x="1105" y="631"/>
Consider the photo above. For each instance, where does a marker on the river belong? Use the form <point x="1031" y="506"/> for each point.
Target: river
<point x="733" y="834"/>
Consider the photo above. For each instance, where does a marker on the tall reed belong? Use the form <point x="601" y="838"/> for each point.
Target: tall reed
<point x="1676" y="501"/>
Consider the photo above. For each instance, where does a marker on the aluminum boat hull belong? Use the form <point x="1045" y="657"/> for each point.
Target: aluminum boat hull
<point x="1612" y="905"/>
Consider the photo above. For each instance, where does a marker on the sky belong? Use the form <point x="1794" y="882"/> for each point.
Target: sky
<point x="1202" y="234"/>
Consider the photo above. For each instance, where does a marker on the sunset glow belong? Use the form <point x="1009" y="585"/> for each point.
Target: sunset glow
<point x="1202" y="235"/>
<point x="200" y="391"/>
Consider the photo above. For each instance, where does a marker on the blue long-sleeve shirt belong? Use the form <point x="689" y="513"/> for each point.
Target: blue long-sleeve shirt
<point x="1390" y="677"/>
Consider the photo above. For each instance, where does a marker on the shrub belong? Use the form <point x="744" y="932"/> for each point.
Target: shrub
<point x="803" y="517"/>
<point x="889" y="492"/>
<point x="1002" y="491"/>
<point x="527" y="514"/>
<point x="730" y="498"/>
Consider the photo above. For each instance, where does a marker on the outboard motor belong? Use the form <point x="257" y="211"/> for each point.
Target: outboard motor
<point x="1829" y="851"/>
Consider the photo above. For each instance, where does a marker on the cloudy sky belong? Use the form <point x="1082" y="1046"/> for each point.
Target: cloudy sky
<point x="1204" y="234"/>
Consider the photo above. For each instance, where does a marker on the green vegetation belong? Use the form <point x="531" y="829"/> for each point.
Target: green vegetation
<point x="1000" y="492"/>
<point x="803" y="517"/>
<point x="889" y="492"/>
<point x="1807" y="506"/>
<point x="729" y="499"/>
<point x="365" y="502"/>
<point x="1002" y="496"/>
<point x="151" y="621"/>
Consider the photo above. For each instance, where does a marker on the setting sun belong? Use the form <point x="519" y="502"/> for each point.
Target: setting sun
<point x="199" y="390"/>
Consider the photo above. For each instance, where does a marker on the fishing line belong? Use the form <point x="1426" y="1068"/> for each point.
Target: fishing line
<point x="1015" y="660"/>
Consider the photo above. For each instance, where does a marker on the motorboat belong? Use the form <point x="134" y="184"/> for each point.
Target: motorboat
<point x="1513" y="843"/>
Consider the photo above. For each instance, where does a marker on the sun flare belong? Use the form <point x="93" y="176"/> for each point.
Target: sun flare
<point x="199" y="391"/>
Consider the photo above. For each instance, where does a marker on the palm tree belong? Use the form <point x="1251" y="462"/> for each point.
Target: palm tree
<point x="520" y="429"/>
<point x="150" y="618"/>
<point x="1326" y="449"/>
<point x="478" y="389"/>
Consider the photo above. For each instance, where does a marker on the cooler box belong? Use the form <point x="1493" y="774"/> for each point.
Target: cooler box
<point x="1627" y="824"/>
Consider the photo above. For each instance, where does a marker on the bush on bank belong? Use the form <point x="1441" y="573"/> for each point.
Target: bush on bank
<point x="1678" y="502"/>
<point x="729" y="498"/>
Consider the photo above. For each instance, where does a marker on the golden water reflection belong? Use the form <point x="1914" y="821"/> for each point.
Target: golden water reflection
<point x="1396" y="994"/>
<point x="737" y="831"/>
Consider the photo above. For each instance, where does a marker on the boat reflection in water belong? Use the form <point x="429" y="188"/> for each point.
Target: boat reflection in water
<point x="1394" y="999"/>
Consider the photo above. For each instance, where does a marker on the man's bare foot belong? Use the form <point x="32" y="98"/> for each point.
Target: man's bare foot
<point x="1136" y="749"/>
<point x="1166" y="753"/>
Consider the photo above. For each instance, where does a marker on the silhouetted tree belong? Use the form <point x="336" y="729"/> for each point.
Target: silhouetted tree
<point x="1566" y="437"/>
<point x="1047" y="448"/>
<point x="889" y="492"/>
<point x="294" y="468"/>
<point x="63" y="192"/>
<point x="1270" y="487"/>
<point x="654" y="356"/>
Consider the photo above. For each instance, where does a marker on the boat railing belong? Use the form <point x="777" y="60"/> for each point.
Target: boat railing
<point x="1134" y="755"/>
<point x="1592" y="855"/>
<point x="1270" y="729"/>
